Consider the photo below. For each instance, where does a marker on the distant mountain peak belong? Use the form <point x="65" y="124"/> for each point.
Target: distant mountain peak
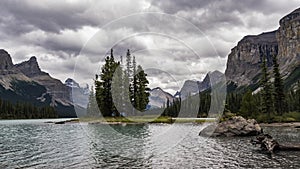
<point x="33" y="59"/>
<point x="5" y="60"/>
<point x="158" y="97"/>
<point x="71" y="83"/>
<point x="30" y="68"/>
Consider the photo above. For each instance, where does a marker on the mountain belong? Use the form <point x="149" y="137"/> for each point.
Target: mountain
<point x="79" y="95"/>
<point x="158" y="98"/>
<point x="192" y="87"/>
<point x="26" y="82"/>
<point x="243" y="65"/>
<point x="71" y="83"/>
<point x="59" y="92"/>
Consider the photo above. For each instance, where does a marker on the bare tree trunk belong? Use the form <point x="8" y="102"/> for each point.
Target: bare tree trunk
<point x="269" y="144"/>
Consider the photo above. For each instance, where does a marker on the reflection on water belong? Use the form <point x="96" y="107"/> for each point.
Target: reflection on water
<point x="40" y="145"/>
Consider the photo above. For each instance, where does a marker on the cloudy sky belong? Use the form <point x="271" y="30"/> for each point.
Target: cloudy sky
<point x="173" y="40"/>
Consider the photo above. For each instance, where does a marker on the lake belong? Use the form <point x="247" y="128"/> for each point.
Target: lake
<point x="35" y="144"/>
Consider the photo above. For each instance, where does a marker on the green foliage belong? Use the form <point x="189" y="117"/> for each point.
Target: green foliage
<point x="104" y="86"/>
<point x="279" y="97"/>
<point x="116" y="89"/>
<point x="248" y="105"/>
<point x="23" y="110"/>
<point x="286" y="117"/>
<point x="92" y="107"/>
<point x="267" y="100"/>
<point x="141" y="91"/>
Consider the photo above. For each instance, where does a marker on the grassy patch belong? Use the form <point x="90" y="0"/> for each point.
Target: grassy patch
<point x="143" y="119"/>
<point x="286" y="117"/>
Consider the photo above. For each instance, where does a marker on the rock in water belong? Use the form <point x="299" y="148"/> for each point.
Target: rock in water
<point x="269" y="144"/>
<point x="235" y="126"/>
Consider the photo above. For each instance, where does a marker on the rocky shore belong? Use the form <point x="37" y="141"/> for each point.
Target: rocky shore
<point x="235" y="126"/>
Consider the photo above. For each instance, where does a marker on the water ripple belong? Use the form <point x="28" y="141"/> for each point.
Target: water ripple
<point x="38" y="145"/>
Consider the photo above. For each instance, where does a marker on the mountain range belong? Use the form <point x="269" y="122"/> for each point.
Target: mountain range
<point x="243" y="65"/>
<point x="244" y="61"/>
<point x="27" y="82"/>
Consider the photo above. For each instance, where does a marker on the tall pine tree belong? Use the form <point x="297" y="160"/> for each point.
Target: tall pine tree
<point x="279" y="97"/>
<point x="103" y="86"/>
<point x="267" y="101"/>
<point x="142" y="98"/>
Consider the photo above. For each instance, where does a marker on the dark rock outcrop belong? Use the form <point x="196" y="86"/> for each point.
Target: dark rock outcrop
<point x="235" y="126"/>
<point x="270" y="145"/>
<point x="5" y="60"/>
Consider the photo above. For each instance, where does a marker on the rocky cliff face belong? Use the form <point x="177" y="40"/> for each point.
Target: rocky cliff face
<point x="288" y="37"/>
<point x="244" y="61"/>
<point x="30" y="68"/>
<point x="55" y="87"/>
<point x="8" y="72"/>
<point x="243" y="65"/>
<point x="5" y="60"/>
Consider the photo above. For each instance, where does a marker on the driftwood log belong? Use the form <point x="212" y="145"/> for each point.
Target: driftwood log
<point x="269" y="144"/>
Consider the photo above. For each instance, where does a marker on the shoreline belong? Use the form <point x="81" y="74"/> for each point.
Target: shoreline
<point x="283" y="124"/>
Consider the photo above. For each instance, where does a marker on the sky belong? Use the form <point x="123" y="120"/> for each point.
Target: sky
<point x="174" y="40"/>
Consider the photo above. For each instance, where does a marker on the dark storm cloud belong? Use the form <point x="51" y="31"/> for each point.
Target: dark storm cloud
<point x="47" y="16"/>
<point x="242" y="6"/>
<point x="198" y="34"/>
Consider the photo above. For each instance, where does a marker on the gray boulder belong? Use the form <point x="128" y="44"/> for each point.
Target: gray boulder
<point x="235" y="126"/>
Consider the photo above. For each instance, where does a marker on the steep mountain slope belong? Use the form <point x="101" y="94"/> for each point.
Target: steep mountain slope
<point x="55" y="87"/>
<point x="79" y="95"/>
<point x="158" y="98"/>
<point x="8" y="72"/>
<point x="25" y="82"/>
<point x="244" y="60"/>
<point x="192" y="87"/>
<point x="243" y="65"/>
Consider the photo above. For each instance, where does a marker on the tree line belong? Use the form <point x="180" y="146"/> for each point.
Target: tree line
<point x="23" y="110"/>
<point x="270" y="103"/>
<point x="120" y="89"/>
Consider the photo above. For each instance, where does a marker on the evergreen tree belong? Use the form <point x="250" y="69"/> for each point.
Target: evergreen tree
<point x="279" y="97"/>
<point x="23" y="110"/>
<point x="297" y="98"/>
<point x="135" y="84"/>
<point x="92" y="107"/>
<point x="103" y="86"/>
<point x="267" y="102"/>
<point x="142" y="89"/>
<point x="129" y="72"/>
<point x="117" y="89"/>
<point x="248" y="105"/>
